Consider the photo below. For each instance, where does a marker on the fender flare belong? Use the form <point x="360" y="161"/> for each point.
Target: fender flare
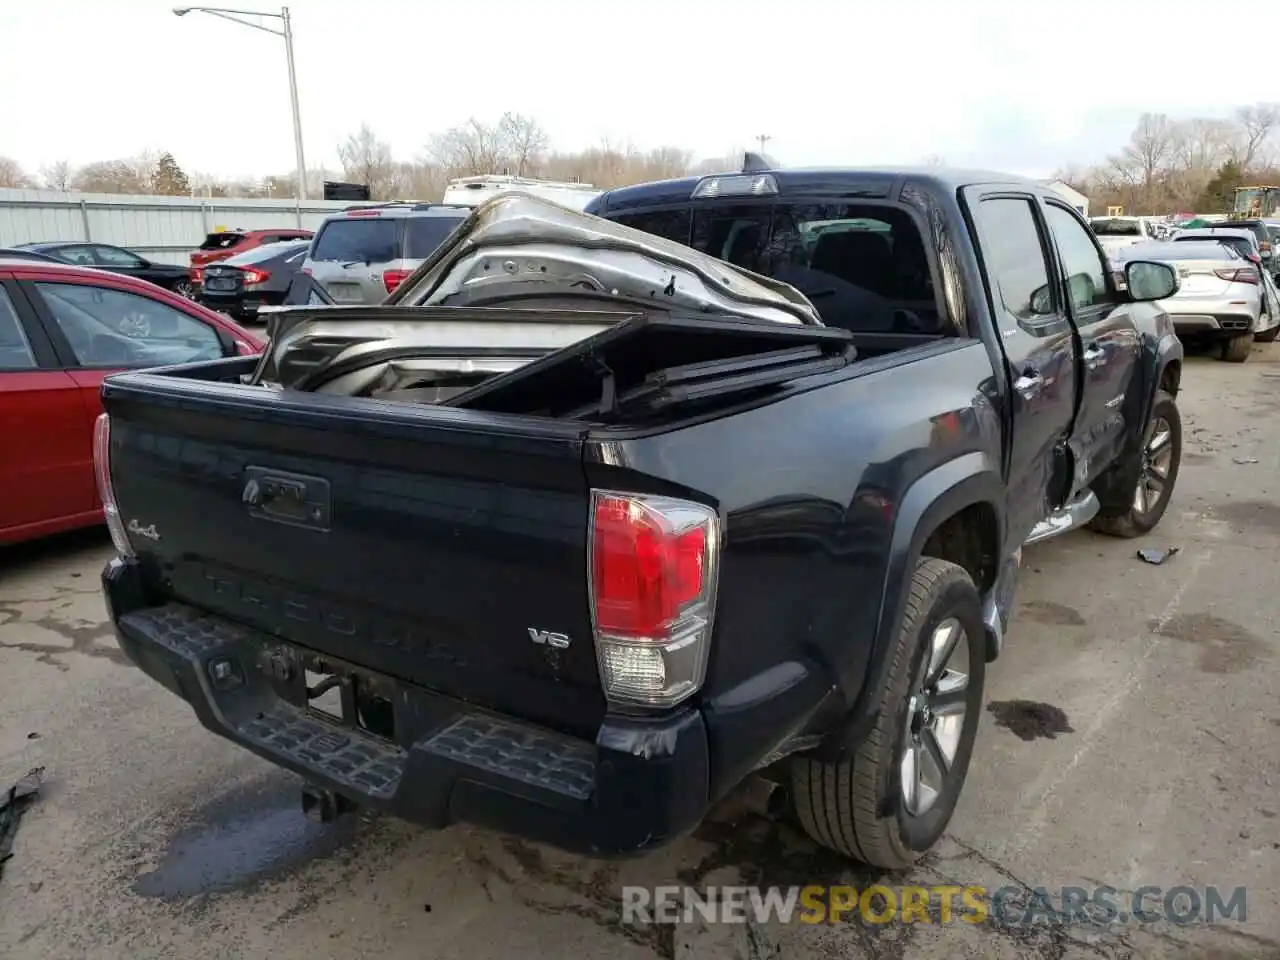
<point x="929" y="501"/>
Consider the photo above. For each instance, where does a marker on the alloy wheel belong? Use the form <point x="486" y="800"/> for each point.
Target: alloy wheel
<point x="936" y="715"/>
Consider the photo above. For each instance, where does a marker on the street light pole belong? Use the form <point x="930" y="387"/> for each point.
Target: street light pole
<point x="286" y="32"/>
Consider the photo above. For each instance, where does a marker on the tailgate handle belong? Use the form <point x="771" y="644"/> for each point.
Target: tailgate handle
<point x="287" y="497"/>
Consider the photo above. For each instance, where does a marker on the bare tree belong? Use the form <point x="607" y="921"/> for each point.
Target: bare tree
<point x="57" y="175"/>
<point x="523" y="142"/>
<point x="366" y="159"/>
<point x="1256" y="124"/>
<point x="934" y="160"/>
<point x="111" y="176"/>
<point x="1150" y="145"/>
<point x="12" y="174"/>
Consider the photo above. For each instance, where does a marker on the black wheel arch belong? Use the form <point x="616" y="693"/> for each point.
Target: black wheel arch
<point x="968" y="489"/>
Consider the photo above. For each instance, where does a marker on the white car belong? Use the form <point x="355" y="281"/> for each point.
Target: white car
<point x="1116" y="233"/>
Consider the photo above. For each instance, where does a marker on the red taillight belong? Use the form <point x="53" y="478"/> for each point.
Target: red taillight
<point x="106" y="491"/>
<point x="1238" y="274"/>
<point x="643" y="573"/>
<point x="653" y="578"/>
<point x="197" y="274"/>
<point x="252" y="276"/>
<point x="393" y="278"/>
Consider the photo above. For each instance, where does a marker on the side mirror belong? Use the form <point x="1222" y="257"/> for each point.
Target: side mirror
<point x="1041" y="301"/>
<point x="1150" y="280"/>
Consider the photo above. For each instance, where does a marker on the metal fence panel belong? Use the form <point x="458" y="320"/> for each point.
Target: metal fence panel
<point x="164" y="229"/>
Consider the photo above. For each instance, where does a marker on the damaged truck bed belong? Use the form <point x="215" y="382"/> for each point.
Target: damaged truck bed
<point x="584" y="527"/>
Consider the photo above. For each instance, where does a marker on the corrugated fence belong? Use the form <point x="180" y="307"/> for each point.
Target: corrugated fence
<point x="164" y="229"/>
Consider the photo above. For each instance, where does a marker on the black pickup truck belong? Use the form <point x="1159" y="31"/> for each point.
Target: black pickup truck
<point x="584" y="528"/>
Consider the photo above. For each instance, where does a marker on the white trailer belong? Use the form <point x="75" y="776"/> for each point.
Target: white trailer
<point x="473" y="191"/>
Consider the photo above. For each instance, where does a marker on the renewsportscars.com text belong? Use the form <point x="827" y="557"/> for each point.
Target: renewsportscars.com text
<point x="1007" y="906"/>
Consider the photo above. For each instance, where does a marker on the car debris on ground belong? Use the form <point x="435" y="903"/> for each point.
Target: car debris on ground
<point x="13" y="805"/>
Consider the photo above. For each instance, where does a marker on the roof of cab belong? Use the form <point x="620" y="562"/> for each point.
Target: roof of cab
<point x="870" y="182"/>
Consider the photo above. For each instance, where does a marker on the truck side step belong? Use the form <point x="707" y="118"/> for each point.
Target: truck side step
<point x="1075" y="514"/>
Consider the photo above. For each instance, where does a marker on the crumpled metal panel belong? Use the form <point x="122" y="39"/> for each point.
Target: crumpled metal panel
<point x="518" y="241"/>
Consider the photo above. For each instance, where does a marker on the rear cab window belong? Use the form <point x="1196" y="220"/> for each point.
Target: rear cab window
<point x="221" y="241"/>
<point x="359" y="240"/>
<point x="863" y="266"/>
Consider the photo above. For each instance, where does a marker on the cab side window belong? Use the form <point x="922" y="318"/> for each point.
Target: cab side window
<point x="1015" y="259"/>
<point x="1083" y="265"/>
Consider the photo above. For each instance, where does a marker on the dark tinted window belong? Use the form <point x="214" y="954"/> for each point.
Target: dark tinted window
<point x="369" y="239"/>
<point x="425" y="234"/>
<point x="1014" y="255"/>
<point x="668" y="224"/>
<point x="1116" y="228"/>
<point x="863" y="267"/>
<point x="1085" y="269"/>
<point x="221" y="241"/>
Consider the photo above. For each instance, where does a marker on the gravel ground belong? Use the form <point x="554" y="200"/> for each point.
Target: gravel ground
<point x="1130" y="739"/>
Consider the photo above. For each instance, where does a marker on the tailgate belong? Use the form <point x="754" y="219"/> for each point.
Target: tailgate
<point x="427" y="544"/>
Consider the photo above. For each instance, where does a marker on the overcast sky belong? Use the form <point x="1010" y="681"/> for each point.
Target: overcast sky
<point x="1008" y="84"/>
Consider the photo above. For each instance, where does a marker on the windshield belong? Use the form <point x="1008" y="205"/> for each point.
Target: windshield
<point x="268" y="251"/>
<point x="425" y="234"/>
<point x="862" y="266"/>
<point x="1110" y="227"/>
<point x="221" y="241"/>
<point x="359" y="240"/>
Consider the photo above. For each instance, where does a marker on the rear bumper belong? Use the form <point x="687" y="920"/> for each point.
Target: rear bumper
<point x="639" y="785"/>
<point x="1210" y="316"/>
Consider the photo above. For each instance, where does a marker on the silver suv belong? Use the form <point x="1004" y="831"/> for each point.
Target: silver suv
<point x="363" y="253"/>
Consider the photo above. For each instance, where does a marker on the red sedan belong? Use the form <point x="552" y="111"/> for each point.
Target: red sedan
<point x="62" y="330"/>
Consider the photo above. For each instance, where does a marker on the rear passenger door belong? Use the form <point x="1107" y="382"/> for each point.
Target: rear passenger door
<point x="1039" y="349"/>
<point x="1109" y="347"/>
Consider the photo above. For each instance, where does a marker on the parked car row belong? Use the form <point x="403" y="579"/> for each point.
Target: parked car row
<point x="1227" y="294"/>
<point x="62" y="330"/>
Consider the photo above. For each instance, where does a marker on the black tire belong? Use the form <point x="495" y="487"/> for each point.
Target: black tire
<point x="183" y="288"/>
<point x="1134" y="522"/>
<point x="855" y="805"/>
<point x="1269" y="336"/>
<point x="1237" y="348"/>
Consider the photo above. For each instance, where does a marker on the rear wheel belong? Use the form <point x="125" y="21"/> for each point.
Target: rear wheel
<point x="1153" y="487"/>
<point x="1236" y="349"/>
<point x="183" y="288"/>
<point x="890" y="799"/>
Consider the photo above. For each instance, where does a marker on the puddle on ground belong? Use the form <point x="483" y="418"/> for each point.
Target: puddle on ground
<point x="1053" y="614"/>
<point x="1029" y="720"/>
<point x="241" y="838"/>
<point x="1249" y="514"/>
<point x="1225" y="647"/>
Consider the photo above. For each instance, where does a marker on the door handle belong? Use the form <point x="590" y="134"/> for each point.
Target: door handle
<point x="1094" y="356"/>
<point x="1029" y="384"/>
